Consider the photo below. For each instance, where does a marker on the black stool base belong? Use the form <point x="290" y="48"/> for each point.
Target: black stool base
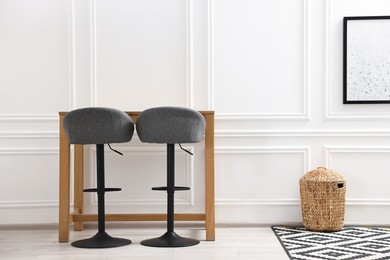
<point x="170" y="239"/>
<point x="101" y="240"/>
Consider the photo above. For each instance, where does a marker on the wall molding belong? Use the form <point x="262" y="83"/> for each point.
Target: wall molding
<point x="327" y="58"/>
<point x="210" y="60"/>
<point x="279" y="116"/>
<point x="296" y="202"/>
<point x="329" y="150"/>
<point x="231" y="133"/>
<point x="329" y="115"/>
<point x="301" y="133"/>
<point x="93" y="65"/>
<point x="72" y="54"/>
<point x="260" y="116"/>
<point x="28" y="204"/>
<point x="304" y="150"/>
<point x="27" y="117"/>
<point x="190" y="175"/>
<point x="188" y="56"/>
<point x="29" y="151"/>
<point x="258" y="202"/>
<point x="29" y="135"/>
<point x="260" y="149"/>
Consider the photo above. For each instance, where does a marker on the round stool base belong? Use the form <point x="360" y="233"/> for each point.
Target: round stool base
<point x="170" y="239"/>
<point x="101" y="240"/>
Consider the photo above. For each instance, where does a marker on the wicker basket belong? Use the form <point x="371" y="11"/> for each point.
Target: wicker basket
<point x="323" y="200"/>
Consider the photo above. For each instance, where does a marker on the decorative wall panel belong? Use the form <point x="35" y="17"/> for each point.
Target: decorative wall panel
<point x="139" y="53"/>
<point x="249" y="54"/>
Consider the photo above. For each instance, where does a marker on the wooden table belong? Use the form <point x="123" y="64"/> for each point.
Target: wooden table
<point x="66" y="218"/>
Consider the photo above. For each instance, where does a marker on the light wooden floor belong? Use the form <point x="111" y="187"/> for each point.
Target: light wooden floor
<point x="232" y="243"/>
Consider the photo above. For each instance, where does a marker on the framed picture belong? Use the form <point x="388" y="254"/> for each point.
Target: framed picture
<point x="366" y="60"/>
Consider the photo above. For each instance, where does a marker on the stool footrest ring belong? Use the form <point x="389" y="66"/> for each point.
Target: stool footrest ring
<point x="176" y="188"/>
<point x="106" y="189"/>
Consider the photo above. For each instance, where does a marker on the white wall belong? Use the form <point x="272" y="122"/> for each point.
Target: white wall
<point x="271" y="70"/>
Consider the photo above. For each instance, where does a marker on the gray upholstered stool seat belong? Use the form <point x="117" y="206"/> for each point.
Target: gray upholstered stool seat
<point x="170" y="125"/>
<point x="98" y="125"/>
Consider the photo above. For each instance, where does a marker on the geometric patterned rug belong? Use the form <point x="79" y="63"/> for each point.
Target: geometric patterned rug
<point x="351" y="243"/>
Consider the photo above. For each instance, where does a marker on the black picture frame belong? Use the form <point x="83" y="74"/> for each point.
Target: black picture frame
<point x="366" y="60"/>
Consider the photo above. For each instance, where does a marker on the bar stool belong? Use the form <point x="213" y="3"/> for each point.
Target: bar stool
<point x="99" y="126"/>
<point x="170" y="125"/>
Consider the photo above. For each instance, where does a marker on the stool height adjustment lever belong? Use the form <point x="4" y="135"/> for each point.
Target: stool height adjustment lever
<point x="114" y="150"/>
<point x="185" y="150"/>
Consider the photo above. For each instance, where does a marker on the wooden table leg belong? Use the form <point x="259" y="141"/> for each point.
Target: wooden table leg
<point x="78" y="184"/>
<point x="209" y="172"/>
<point x="64" y="179"/>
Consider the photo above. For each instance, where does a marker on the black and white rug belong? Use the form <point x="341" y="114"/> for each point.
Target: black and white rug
<point x="368" y="243"/>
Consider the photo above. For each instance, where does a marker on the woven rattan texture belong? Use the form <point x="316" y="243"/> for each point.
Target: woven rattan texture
<point x="323" y="200"/>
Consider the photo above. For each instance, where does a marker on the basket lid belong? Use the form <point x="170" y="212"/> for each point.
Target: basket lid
<point x="322" y="174"/>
